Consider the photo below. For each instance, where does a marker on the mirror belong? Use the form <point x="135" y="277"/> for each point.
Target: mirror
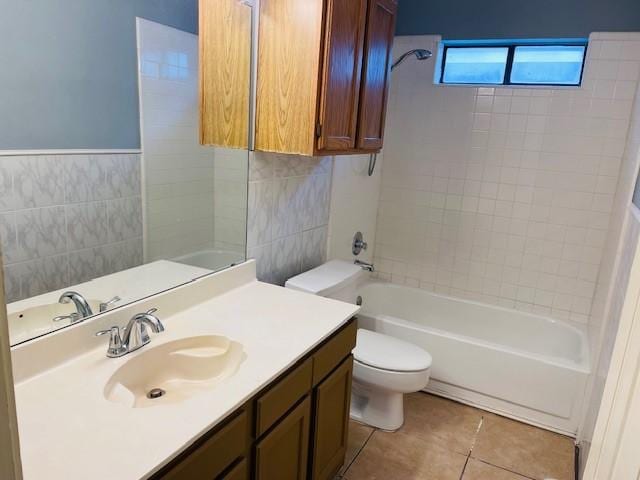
<point x="110" y="197"/>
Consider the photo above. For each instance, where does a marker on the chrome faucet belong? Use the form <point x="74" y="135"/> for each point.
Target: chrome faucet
<point x="135" y="334"/>
<point x="82" y="306"/>
<point x="364" y="265"/>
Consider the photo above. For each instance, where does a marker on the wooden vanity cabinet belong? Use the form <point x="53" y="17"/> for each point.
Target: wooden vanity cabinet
<point x="323" y="75"/>
<point x="294" y="429"/>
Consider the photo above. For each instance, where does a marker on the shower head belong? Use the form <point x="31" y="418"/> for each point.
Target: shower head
<point x="419" y="53"/>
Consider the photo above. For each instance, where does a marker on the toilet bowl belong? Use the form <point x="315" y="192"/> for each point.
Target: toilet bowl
<point x="384" y="368"/>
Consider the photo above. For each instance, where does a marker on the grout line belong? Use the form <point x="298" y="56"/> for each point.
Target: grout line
<point x="359" y="451"/>
<point x="464" y="469"/>
<point x="505" y="469"/>
<point x="475" y="436"/>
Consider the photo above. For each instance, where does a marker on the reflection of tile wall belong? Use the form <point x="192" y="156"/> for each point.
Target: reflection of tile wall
<point x="196" y="196"/>
<point x="288" y="213"/>
<point x="65" y="219"/>
<point x="230" y="199"/>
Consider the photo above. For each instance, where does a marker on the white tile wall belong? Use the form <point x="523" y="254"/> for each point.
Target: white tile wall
<point x="504" y="195"/>
<point x="288" y="217"/>
<point x="65" y="219"/>
<point x="195" y="196"/>
<point x="354" y="205"/>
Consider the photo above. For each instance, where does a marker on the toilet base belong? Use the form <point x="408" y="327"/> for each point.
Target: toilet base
<point x="376" y="407"/>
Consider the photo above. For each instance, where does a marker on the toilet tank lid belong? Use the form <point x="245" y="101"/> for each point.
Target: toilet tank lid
<point x="327" y="278"/>
<point x="389" y="353"/>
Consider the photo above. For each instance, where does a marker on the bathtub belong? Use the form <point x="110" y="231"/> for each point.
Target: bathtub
<point x="211" y="259"/>
<point x="524" y="366"/>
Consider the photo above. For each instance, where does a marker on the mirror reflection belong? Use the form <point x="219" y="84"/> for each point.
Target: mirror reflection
<point x="86" y="231"/>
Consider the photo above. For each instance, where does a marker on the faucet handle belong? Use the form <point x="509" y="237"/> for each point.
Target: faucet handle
<point x="151" y="311"/>
<point x="116" y="349"/>
<point x="72" y="317"/>
<point x="105" y="305"/>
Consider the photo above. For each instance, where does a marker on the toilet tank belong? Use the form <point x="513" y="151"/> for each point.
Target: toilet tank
<point x="336" y="279"/>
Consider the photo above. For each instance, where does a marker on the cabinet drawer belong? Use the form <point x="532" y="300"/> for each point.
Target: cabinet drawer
<point x="239" y="472"/>
<point x="284" y="395"/>
<point x="216" y="454"/>
<point x="332" y="353"/>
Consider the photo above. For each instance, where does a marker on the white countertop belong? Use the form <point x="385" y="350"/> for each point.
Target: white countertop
<point x="68" y="430"/>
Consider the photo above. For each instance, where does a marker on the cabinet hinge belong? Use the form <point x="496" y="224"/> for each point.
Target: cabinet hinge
<point x="318" y="130"/>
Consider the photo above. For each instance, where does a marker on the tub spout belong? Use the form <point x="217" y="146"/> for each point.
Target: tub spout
<point x="364" y="265"/>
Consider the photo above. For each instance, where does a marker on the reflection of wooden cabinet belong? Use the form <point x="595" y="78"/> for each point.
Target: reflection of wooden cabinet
<point x="225" y="65"/>
<point x="332" y="399"/>
<point x="323" y="74"/>
<point x="283" y="453"/>
<point x="295" y="429"/>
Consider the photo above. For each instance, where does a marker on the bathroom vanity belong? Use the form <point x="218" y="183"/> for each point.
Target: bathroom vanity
<point x="294" y="428"/>
<point x="275" y="406"/>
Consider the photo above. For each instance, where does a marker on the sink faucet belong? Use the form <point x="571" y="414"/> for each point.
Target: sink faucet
<point x="84" y="310"/>
<point x="364" y="265"/>
<point x="135" y="334"/>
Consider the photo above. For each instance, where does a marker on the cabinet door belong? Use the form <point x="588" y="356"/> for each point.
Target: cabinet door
<point x="341" y="73"/>
<point x="283" y="453"/>
<point x="332" y="400"/>
<point x="381" y="22"/>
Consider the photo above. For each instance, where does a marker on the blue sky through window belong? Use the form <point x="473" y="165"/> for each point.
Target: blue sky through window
<point x="475" y="65"/>
<point x="518" y="63"/>
<point x="560" y="65"/>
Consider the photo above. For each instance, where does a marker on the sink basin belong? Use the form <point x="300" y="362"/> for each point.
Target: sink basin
<point x="174" y="371"/>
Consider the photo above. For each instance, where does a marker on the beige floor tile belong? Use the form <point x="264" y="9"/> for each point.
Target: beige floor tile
<point x="398" y="456"/>
<point x="358" y="436"/>
<point x="524" y="449"/>
<point x="476" y="470"/>
<point x="434" y="418"/>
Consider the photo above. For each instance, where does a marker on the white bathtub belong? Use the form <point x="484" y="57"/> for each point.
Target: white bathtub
<point x="524" y="366"/>
<point x="211" y="259"/>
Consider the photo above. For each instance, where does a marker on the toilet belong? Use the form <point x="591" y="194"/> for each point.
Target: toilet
<point x="384" y="368"/>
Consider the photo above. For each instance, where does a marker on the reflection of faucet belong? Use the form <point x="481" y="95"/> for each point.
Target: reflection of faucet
<point x="135" y="334"/>
<point x="104" y="306"/>
<point x="364" y="265"/>
<point x="84" y="310"/>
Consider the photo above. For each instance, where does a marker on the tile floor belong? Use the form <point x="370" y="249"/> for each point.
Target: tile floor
<point x="444" y="440"/>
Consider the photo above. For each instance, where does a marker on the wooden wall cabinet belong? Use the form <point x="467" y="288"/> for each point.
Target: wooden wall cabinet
<point x="323" y="75"/>
<point x="295" y="429"/>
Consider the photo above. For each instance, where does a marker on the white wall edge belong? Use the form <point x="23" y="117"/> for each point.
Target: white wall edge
<point x="14" y="153"/>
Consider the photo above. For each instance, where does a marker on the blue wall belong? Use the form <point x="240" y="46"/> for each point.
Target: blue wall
<point x="474" y="19"/>
<point x="68" y="70"/>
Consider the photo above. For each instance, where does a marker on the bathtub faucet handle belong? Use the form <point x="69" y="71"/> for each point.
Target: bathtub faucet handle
<point x="358" y="244"/>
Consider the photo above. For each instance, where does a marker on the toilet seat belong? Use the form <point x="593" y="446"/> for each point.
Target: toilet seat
<point x="389" y="354"/>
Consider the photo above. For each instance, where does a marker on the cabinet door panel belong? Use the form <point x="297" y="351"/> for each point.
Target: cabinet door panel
<point x="381" y="22"/>
<point x="331" y="423"/>
<point x="283" y="453"/>
<point x="341" y="73"/>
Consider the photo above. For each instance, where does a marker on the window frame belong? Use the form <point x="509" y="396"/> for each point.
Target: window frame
<point x="511" y="46"/>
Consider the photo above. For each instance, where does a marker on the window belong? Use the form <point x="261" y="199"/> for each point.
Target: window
<point x="524" y="63"/>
